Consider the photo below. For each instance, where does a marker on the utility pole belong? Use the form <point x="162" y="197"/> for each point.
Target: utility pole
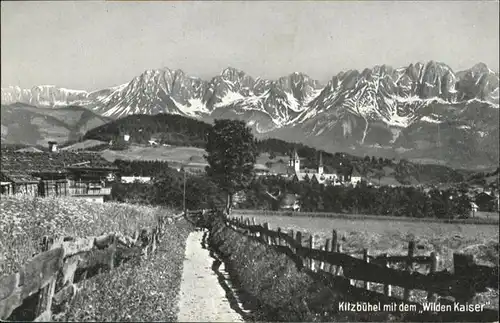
<point x="184" y="193"/>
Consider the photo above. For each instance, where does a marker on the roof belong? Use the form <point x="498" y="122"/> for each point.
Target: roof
<point x="288" y="200"/>
<point x="485" y="195"/>
<point x="29" y="149"/>
<point x="18" y="178"/>
<point x="260" y="167"/>
<point x="198" y="165"/>
<point x="47" y="162"/>
<point x="302" y="176"/>
<point x="355" y="172"/>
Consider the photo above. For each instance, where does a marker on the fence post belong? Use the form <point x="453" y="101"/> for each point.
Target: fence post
<point x="335" y="248"/>
<point x="113" y="251"/>
<point x="43" y="309"/>
<point x="387" y="287"/>
<point x="311" y="246"/>
<point x="322" y="263"/>
<point x="366" y="258"/>
<point x="326" y="266"/>
<point x="338" y="269"/>
<point x="462" y="264"/>
<point x="334" y="241"/>
<point x="298" y="239"/>
<point x="270" y="239"/>
<point x="279" y="237"/>
<point x="409" y="266"/>
<point x="431" y="297"/>
<point x="265" y="235"/>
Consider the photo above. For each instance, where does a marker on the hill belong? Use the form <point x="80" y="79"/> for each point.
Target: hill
<point x="165" y="128"/>
<point x="26" y="124"/>
<point x="187" y="136"/>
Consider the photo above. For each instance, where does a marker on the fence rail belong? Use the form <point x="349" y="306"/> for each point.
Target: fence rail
<point x="485" y="221"/>
<point x="64" y="261"/>
<point x="466" y="280"/>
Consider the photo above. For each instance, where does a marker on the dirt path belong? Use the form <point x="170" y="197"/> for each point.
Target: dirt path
<point x="202" y="298"/>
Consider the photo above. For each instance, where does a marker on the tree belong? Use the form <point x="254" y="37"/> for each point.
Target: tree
<point x="202" y="193"/>
<point x="231" y="156"/>
<point x="168" y="189"/>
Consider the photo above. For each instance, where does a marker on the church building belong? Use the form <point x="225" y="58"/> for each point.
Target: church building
<point x="295" y="172"/>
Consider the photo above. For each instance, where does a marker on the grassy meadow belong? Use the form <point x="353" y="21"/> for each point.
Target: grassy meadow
<point x="139" y="290"/>
<point x="25" y="220"/>
<point x="179" y="155"/>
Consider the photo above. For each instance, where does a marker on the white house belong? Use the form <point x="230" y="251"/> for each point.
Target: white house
<point x="133" y="179"/>
<point x="355" y="177"/>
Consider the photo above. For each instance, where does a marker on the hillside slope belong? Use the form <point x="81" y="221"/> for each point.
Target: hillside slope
<point x="26" y="124"/>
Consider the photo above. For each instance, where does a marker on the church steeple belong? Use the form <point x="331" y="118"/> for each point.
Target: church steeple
<point x="320" y="165"/>
<point x="296" y="161"/>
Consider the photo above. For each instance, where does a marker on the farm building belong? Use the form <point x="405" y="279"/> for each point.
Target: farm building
<point x="487" y="201"/>
<point x="261" y="170"/>
<point x="18" y="183"/>
<point x="56" y="173"/>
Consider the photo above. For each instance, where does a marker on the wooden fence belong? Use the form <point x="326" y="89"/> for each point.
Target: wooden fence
<point x="52" y="276"/>
<point x="467" y="279"/>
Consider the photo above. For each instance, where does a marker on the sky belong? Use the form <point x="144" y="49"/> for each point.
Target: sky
<point x="91" y="45"/>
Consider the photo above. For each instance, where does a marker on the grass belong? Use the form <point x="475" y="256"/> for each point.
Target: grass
<point x="135" y="292"/>
<point x="86" y="144"/>
<point x="162" y="153"/>
<point x="176" y="155"/>
<point x="25" y="220"/>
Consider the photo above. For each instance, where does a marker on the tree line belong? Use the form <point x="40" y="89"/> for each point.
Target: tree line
<point x="203" y="192"/>
<point x="406" y="201"/>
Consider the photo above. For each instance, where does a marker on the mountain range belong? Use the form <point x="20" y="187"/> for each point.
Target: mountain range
<point x="424" y="111"/>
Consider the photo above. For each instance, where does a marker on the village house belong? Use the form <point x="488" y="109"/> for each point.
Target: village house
<point x="134" y="179"/>
<point x="261" y="170"/>
<point x="487" y="201"/>
<point x="54" y="173"/>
